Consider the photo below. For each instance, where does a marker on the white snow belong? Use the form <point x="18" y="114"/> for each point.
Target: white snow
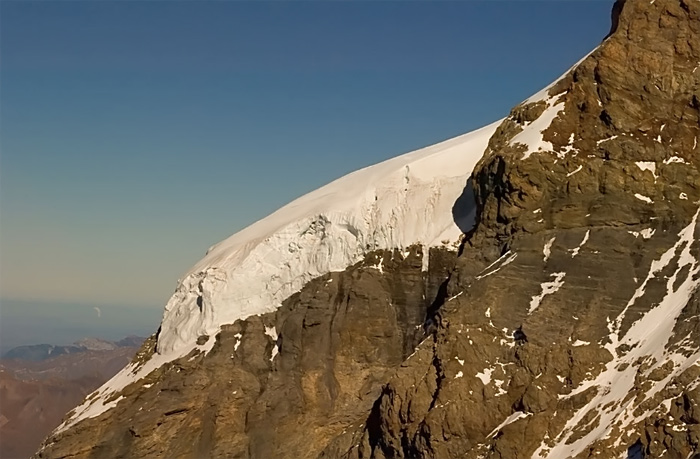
<point x="568" y="149"/>
<point x="485" y="375"/>
<point x="380" y="266"/>
<point x="403" y="201"/>
<point x="579" y="342"/>
<point x="646" y="341"/>
<point x="576" y="251"/>
<point x="459" y="374"/>
<point x="453" y="297"/>
<point x="647" y="166"/>
<point x="509" y="258"/>
<point x="675" y="159"/>
<point x="272" y="333"/>
<point x="400" y="202"/>
<point x="543" y="93"/>
<point x="509" y="420"/>
<point x="395" y="204"/>
<point x="578" y="169"/>
<point x="547" y="289"/>
<point x="645" y="233"/>
<point x="499" y="385"/>
<point x="96" y="403"/>
<point x="425" y="261"/>
<point x="641" y="197"/>
<point x="531" y="135"/>
<point x="605" y="140"/>
<point x="547" y="250"/>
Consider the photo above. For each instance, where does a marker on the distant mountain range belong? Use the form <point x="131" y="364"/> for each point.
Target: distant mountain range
<point x="39" y="352"/>
<point x="40" y="383"/>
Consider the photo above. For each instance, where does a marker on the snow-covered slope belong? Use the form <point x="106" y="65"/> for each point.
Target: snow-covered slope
<point x="397" y="203"/>
<point x="400" y="202"/>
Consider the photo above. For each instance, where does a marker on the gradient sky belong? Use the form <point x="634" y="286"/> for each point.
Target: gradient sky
<point x="134" y="135"/>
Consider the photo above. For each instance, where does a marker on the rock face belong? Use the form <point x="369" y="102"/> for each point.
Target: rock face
<point x="567" y="325"/>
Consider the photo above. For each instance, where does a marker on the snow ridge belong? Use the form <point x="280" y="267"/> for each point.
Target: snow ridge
<point x="394" y="204"/>
<point x="400" y="202"/>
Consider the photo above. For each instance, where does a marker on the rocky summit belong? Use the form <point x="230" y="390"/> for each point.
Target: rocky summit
<point x="564" y="322"/>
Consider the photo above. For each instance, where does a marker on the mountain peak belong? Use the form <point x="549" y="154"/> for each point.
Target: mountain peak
<point x="630" y="111"/>
<point x="563" y="324"/>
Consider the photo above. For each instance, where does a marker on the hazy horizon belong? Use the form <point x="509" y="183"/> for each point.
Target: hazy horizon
<point x="31" y="322"/>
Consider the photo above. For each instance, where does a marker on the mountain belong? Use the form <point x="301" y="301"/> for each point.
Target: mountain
<point x="528" y="290"/>
<point x="39" y="352"/>
<point x="41" y="383"/>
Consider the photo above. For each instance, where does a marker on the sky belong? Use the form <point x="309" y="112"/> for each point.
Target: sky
<point x="136" y="134"/>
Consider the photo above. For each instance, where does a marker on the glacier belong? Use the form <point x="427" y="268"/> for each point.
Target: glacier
<point x="403" y="201"/>
<point x="397" y="203"/>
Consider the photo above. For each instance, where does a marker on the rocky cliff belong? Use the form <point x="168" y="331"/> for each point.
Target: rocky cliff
<point x="567" y="325"/>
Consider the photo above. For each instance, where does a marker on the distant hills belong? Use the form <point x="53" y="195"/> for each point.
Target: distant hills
<point x="40" y="352"/>
<point x="40" y="383"/>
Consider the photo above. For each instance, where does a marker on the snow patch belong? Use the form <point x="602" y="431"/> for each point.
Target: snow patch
<point x="578" y="169"/>
<point x="647" y="166"/>
<point x="645" y="233"/>
<point x="272" y="333"/>
<point x="547" y="289"/>
<point x="509" y="258"/>
<point x="97" y="403"/>
<point x="547" y="250"/>
<point x="606" y="140"/>
<point x="379" y="266"/>
<point x="641" y="197"/>
<point x="454" y="297"/>
<point x="675" y="159"/>
<point x="576" y="251"/>
<point x="531" y="135"/>
<point x="645" y="341"/>
<point x="485" y="375"/>
<point x="509" y="420"/>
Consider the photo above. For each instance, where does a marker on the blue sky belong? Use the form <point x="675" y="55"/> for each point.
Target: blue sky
<point x="137" y="134"/>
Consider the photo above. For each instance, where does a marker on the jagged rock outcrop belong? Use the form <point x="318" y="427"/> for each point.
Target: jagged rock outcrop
<point x="568" y="326"/>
